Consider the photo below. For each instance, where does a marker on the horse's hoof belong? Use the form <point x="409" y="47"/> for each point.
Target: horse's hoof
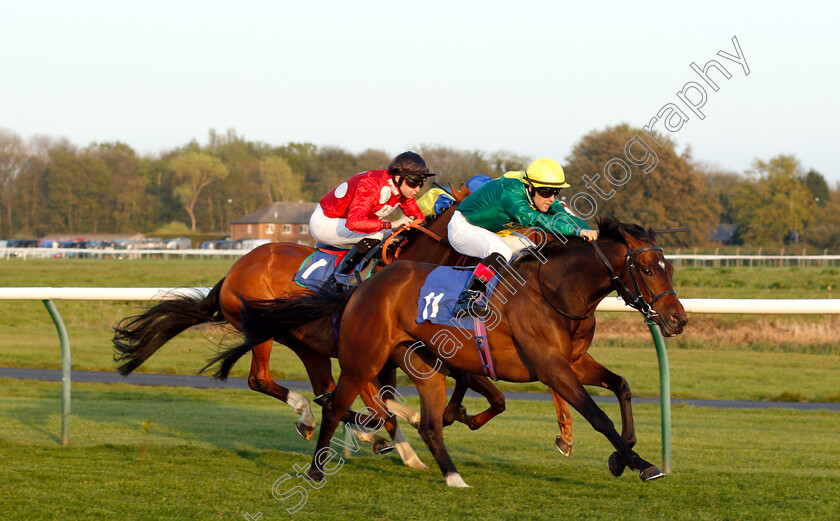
<point x="453" y="414"/>
<point x="564" y="448"/>
<point x="415" y="463"/>
<point x="315" y="474"/>
<point x="616" y="467"/>
<point x="651" y="473"/>
<point x="305" y="431"/>
<point x="382" y="446"/>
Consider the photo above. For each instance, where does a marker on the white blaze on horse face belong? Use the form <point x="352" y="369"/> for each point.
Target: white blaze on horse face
<point x="662" y="264"/>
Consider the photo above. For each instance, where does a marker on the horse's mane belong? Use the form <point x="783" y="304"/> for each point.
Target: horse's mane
<point x="609" y="228"/>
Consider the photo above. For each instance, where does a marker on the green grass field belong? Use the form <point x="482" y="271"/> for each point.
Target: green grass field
<point x="721" y="357"/>
<point x="164" y="453"/>
<point x="175" y="453"/>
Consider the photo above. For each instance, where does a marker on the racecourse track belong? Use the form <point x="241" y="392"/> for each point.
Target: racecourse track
<point x="171" y="380"/>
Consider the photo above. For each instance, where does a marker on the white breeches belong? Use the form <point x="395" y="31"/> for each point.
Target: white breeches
<point x="334" y="231"/>
<point x="476" y="241"/>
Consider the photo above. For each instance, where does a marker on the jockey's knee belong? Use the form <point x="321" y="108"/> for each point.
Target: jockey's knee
<point x="496" y="260"/>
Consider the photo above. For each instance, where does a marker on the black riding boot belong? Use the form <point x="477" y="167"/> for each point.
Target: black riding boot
<point x="468" y="304"/>
<point x="351" y="258"/>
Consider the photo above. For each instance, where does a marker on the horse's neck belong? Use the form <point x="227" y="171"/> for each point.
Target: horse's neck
<point x="581" y="274"/>
<point x="425" y="249"/>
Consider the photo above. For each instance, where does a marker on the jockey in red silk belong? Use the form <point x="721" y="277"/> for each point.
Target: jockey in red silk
<point x="516" y="200"/>
<point x="352" y="214"/>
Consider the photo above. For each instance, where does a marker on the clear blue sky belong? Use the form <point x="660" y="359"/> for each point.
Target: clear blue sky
<point x="525" y="76"/>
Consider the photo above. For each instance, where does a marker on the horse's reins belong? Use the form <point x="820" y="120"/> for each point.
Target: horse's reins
<point x="638" y="302"/>
<point x="555" y="308"/>
<point x="417" y="226"/>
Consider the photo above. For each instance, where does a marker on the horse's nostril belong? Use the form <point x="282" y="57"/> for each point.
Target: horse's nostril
<point x="675" y="320"/>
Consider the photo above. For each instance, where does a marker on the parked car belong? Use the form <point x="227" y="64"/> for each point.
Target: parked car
<point x="22" y="243"/>
<point x="223" y="244"/>
<point x="250" y="244"/>
<point x="179" y="243"/>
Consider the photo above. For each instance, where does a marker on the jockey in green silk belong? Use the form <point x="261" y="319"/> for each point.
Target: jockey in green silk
<point x="482" y="225"/>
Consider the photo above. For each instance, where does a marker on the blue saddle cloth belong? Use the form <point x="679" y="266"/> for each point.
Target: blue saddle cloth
<point x="319" y="267"/>
<point x="440" y="292"/>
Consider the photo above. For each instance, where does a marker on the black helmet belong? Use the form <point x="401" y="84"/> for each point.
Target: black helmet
<point x="409" y="164"/>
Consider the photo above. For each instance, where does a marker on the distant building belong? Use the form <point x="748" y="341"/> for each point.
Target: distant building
<point x="724" y="234"/>
<point x="282" y="222"/>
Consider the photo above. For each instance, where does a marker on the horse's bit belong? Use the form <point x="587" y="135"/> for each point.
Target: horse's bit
<point x="638" y="302"/>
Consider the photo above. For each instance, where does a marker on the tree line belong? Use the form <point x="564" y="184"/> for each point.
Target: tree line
<point x="50" y="186"/>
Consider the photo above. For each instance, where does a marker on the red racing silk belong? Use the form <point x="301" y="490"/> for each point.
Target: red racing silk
<point x="365" y="199"/>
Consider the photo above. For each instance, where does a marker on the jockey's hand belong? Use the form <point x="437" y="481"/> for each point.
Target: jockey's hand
<point x="589" y="235"/>
<point x="401" y="221"/>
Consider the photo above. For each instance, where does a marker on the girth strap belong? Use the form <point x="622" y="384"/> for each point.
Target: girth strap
<point x="483" y="348"/>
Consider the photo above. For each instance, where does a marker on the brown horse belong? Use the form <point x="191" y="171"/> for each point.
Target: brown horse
<point x="539" y="330"/>
<point x="267" y="273"/>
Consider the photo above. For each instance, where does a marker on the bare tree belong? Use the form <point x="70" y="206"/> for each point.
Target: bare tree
<point x="194" y="171"/>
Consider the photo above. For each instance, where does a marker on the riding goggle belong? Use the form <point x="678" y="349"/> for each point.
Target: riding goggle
<point x="414" y="182"/>
<point x="546" y="192"/>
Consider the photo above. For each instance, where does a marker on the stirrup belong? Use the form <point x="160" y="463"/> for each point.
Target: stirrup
<point x="467" y="305"/>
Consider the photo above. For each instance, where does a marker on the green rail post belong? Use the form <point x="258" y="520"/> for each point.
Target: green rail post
<point x="664" y="393"/>
<point x="65" y="371"/>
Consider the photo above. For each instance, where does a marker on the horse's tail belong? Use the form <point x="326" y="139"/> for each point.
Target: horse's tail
<point x="138" y="337"/>
<point x="266" y="319"/>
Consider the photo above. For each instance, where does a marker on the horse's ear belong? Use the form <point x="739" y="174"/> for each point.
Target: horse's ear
<point x="631" y="242"/>
<point x="461" y="193"/>
<point x="652" y="236"/>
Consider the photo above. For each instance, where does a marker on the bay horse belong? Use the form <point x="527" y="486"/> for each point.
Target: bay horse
<point x="266" y="273"/>
<point x="540" y="330"/>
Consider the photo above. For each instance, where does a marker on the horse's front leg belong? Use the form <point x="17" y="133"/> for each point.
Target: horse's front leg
<point x="455" y="411"/>
<point x="591" y="372"/>
<point x="563" y="442"/>
<point x="559" y="376"/>
<point x="483" y="386"/>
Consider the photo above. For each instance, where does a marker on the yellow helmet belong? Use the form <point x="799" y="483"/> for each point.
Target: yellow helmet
<point x="545" y="172"/>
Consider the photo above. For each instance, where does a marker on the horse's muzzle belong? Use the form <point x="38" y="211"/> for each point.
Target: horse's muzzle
<point x="673" y="325"/>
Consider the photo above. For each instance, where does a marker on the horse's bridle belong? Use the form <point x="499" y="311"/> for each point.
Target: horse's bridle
<point x="638" y="301"/>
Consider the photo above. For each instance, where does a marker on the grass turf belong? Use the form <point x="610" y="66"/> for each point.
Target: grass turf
<point x="163" y="453"/>
<point x="721" y="357"/>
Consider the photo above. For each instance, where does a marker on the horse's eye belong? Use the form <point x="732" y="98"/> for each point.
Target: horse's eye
<point x="647" y="271"/>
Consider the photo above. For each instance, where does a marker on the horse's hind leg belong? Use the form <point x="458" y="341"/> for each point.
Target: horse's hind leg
<point x="388" y="377"/>
<point x="260" y="379"/>
<point x="563" y="442"/>
<point x="374" y="397"/>
<point x="332" y="410"/>
<point x="432" y="391"/>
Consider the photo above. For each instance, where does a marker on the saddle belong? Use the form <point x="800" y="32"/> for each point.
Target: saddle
<point x="318" y="269"/>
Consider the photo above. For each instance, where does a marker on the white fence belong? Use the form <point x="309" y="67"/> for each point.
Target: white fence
<point x="692" y="305"/>
<point x="740" y="306"/>
<point x="111" y="253"/>
<point x="678" y="259"/>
